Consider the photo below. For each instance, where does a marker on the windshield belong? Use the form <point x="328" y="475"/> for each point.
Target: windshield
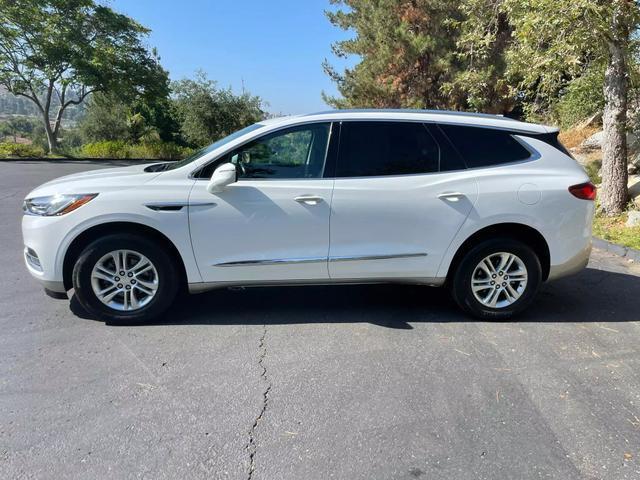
<point x="208" y="149"/>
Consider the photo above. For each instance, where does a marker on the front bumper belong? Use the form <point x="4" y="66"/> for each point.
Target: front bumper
<point x="42" y="238"/>
<point x="31" y="260"/>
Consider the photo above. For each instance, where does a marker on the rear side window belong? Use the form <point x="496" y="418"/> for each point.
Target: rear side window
<point x="483" y="147"/>
<point x="386" y="148"/>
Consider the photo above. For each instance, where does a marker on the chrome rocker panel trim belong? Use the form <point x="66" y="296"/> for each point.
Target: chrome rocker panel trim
<point x="346" y="258"/>
<point x="206" y="286"/>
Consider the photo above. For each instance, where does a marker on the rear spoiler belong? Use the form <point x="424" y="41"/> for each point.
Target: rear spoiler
<point x="550" y="138"/>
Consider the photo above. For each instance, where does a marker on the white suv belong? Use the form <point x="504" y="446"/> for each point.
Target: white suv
<point x="488" y="206"/>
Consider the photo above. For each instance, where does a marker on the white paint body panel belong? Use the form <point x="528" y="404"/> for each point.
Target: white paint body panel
<point x="394" y="216"/>
<point x="259" y="220"/>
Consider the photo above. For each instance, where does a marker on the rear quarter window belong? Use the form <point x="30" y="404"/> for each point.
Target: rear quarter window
<point x="484" y="147"/>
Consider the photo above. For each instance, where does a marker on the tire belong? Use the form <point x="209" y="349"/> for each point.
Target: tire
<point x="88" y="279"/>
<point x="507" y="303"/>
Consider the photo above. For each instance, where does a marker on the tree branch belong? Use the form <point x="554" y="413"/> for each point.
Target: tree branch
<point x="63" y="106"/>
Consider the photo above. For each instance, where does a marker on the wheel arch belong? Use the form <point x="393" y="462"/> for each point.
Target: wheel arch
<point x="517" y="231"/>
<point x="81" y="241"/>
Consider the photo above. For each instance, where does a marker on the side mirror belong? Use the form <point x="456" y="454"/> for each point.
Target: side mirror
<point x="224" y="175"/>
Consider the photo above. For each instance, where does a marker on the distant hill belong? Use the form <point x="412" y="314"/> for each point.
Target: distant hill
<point x="12" y="105"/>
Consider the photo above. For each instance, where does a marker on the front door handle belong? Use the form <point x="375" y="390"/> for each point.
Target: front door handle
<point x="451" y="196"/>
<point x="309" y="199"/>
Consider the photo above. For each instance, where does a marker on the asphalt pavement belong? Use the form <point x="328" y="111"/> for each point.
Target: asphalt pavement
<point x="344" y="382"/>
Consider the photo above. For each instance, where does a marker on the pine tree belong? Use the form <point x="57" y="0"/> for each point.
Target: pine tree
<point x="406" y="49"/>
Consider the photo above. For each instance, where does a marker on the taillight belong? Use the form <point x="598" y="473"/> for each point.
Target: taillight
<point x="584" y="191"/>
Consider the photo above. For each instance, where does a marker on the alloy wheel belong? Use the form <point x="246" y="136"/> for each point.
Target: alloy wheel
<point x="124" y="280"/>
<point x="499" y="280"/>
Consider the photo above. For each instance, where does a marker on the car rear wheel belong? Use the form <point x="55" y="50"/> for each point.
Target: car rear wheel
<point x="497" y="279"/>
<point x="125" y="278"/>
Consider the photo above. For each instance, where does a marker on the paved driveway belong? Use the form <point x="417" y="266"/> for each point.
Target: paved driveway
<point x="345" y="382"/>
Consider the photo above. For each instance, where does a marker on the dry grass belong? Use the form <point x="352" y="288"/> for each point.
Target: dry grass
<point x="574" y="137"/>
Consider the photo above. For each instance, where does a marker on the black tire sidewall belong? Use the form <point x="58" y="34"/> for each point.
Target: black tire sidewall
<point x="168" y="278"/>
<point x="461" y="287"/>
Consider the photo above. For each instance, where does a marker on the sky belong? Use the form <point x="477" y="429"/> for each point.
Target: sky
<point x="274" y="47"/>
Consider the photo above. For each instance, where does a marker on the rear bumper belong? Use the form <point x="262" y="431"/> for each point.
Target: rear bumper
<point x="571" y="266"/>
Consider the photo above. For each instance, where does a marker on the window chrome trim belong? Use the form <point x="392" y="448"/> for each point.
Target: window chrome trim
<point x="535" y="155"/>
<point x="288" y="261"/>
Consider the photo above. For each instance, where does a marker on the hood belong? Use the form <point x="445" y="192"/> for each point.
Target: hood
<point x="96" y="181"/>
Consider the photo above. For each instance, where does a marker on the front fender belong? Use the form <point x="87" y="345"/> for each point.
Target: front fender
<point x="177" y="231"/>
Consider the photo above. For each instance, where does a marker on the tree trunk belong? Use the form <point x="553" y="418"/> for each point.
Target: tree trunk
<point x="52" y="138"/>
<point x="614" y="192"/>
<point x="52" y="135"/>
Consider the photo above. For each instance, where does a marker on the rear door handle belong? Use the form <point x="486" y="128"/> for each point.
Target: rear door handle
<point x="309" y="199"/>
<point x="451" y="196"/>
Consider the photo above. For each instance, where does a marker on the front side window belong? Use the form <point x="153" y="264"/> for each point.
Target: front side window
<point x="210" y="148"/>
<point x="483" y="147"/>
<point x="386" y="148"/>
<point x="297" y="152"/>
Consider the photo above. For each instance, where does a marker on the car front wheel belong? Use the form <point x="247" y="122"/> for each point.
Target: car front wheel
<point x="125" y="279"/>
<point x="497" y="279"/>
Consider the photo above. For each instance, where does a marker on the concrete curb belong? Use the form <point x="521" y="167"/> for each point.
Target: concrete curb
<point x="625" y="252"/>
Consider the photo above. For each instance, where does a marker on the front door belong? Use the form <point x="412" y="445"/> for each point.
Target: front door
<point x="396" y="207"/>
<point x="273" y="223"/>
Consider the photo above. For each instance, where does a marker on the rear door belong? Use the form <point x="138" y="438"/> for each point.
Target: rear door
<point x="396" y="207"/>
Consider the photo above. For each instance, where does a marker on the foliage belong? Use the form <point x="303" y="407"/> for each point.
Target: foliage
<point x="581" y="99"/>
<point x="482" y="82"/>
<point x="159" y="118"/>
<point x="405" y="49"/>
<point x="108" y="117"/>
<point x="17" y="126"/>
<point x="207" y="114"/>
<point x="105" y="119"/>
<point x="70" y="141"/>
<point x="559" y="52"/>
<point x="494" y="56"/>
<point x="122" y="149"/>
<point x="159" y="149"/>
<point x="106" y="149"/>
<point x="8" y="150"/>
<point x="59" y="51"/>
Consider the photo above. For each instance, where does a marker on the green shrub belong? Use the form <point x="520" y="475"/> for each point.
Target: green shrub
<point x="8" y="150"/>
<point x="106" y="149"/>
<point x="161" y="150"/>
<point x="120" y="149"/>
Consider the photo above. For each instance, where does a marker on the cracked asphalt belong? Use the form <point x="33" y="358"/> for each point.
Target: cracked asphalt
<point x="345" y="382"/>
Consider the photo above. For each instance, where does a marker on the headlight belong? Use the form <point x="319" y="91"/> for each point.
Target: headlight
<point x="56" y="204"/>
